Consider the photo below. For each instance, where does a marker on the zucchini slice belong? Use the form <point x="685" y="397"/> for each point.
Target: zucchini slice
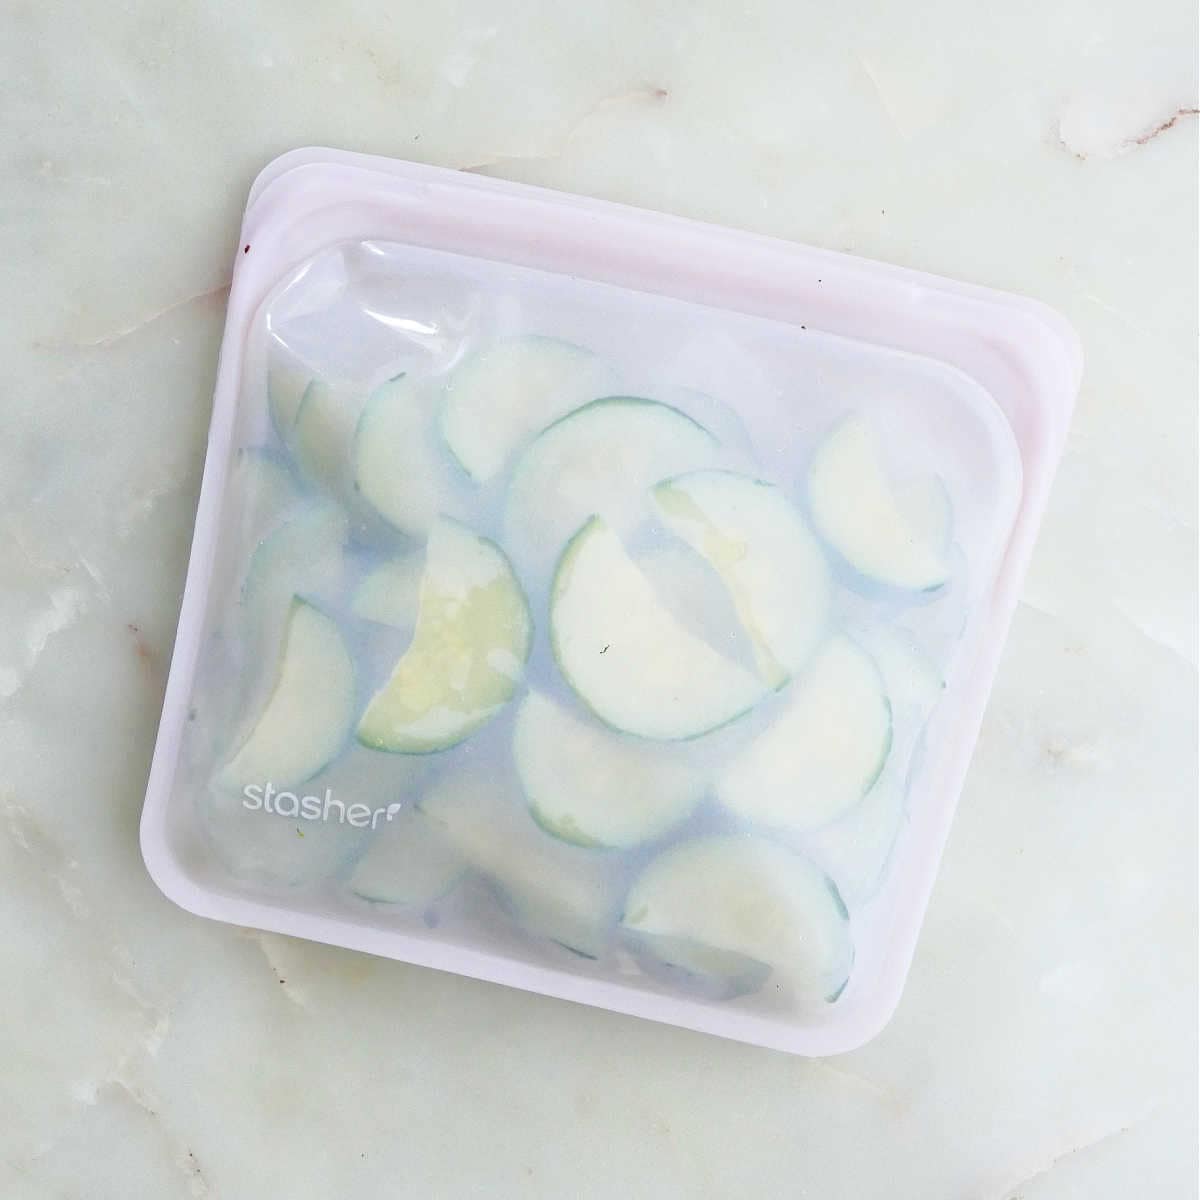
<point x="823" y="751"/>
<point x="408" y="863"/>
<point x="593" y="787"/>
<point x="468" y="652"/>
<point x="308" y="714"/>
<point x="389" y="594"/>
<point x="551" y="889"/>
<point x="627" y="657"/>
<point x="773" y="566"/>
<point x="885" y="537"/>
<point x="731" y="912"/>
<point x="400" y="469"/>
<point x="500" y="397"/>
<point x="596" y="461"/>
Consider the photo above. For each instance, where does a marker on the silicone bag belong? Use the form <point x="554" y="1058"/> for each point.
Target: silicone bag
<point x="431" y="385"/>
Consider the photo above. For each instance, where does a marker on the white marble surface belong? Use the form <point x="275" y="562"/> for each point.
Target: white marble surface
<point x="1045" y="1048"/>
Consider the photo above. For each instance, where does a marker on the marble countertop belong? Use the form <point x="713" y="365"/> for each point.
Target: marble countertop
<point x="1046" y="1046"/>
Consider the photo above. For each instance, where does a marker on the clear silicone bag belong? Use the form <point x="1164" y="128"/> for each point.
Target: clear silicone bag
<point x="593" y="601"/>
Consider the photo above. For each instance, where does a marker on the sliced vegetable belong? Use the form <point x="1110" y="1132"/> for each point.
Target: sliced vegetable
<point x="552" y="889"/>
<point x="719" y="418"/>
<point x="408" y="863"/>
<point x="287" y="381"/>
<point x="857" y="848"/>
<point x="264" y="486"/>
<point x="913" y="681"/>
<point x="499" y="398"/>
<point x="320" y="435"/>
<point x="399" y="468"/>
<point x="596" y="788"/>
<point x="774" y="568"/>
<point x="304" y="556"/>
<point x="276" y="848"/>
<point x="302" y="834"/>
<point x="823" y="751"/>
<point x="264" y="494"/>
<point x="390" y="594"/>
<point x="730" y="912"/>
<point x="301" y="556"/>
<point x="689" y="588"/>
<point x="855" y="508"/>
<point x="467" y="655"/>
<point x="628" y="658"/>
<point x="308" y="715"/>
<point x="596" y="461"/>
<point x="925" y="505"/>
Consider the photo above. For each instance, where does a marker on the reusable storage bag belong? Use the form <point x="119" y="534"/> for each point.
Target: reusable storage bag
<point x="594" y="601"/>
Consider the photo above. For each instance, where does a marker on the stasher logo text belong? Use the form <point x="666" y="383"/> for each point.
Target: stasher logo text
<point x="263" y="797"/>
